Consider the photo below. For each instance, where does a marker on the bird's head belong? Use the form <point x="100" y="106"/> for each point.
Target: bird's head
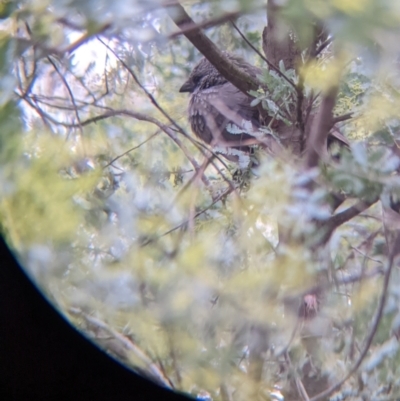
<point x="203" y="76"/>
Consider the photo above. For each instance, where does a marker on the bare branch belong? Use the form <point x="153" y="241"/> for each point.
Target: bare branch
<point x="131" y="149"/>
<point x="341" y="118"/>
<point x="143" y="88"/>
<point x="71" y="95"/>
<point x="299" y="384"/>
<point x="139" y="116"/>
<point x="207" y="24"/>
<point x="322" y="46"/>
<point x="151" y="240"/>
<point x="299" y="111"/>
<point x="350" y="279"/>
<point x="200" y="146"/>
<point x="85" y="38"/>
<point x="342" y="217"/>
<point x="233" y="74"/>
<point x="48" y="50"/>
<point x="272" y="66"/>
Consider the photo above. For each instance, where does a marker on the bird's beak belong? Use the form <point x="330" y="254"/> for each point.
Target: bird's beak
<point x="187" y="87"/>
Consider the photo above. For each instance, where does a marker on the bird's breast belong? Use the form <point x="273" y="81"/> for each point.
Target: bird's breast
<point x="200" y="111"/>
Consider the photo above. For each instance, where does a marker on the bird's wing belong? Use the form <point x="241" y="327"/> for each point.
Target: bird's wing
<point x="233" y="112"/>
<point x="221" y="114"/>
<point x="238" y="102"/>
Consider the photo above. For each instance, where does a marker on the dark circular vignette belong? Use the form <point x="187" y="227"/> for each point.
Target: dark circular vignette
<point x="43" y="357"/>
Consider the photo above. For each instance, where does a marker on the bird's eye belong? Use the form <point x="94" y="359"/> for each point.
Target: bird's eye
<point x="196" y="79"/>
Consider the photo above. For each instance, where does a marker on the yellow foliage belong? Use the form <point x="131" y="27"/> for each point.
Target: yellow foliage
<point x="204" y="377"/>
<point x="322" y="77"/>
<point x="40" y="207"/>
<point x="380" y="108"/>
<point x="364" y="295"/>
<point x="320" y="8"/>
<point x="353" y="7"/>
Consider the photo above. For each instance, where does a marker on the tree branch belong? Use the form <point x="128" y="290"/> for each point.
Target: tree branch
<point x="210" y="51"/>
<point x="206" y="24"/>
<point x="199" y="145"/>
<point x="151" y="240"/>
<point x="341" y="118"/>
<point x="299" y="111"/>
<point x="272" y="66"/>
<point x="69" y="90"/>
<point x="316" y="142"/>
<point x="322" y="46"/>
<point x="276" y="47"/>
<point x="131" y="149"/>
<point x="143" y="88"/>
<point x="339" y="218"/>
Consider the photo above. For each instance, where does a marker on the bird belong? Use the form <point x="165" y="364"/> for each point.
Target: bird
<point x="219" y="113"/>
<point x="222" y="116"/>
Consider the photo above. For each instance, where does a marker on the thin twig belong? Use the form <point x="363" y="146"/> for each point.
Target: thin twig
<point x="61" y="52"/>
<point x="341" y="118"/>
<point x="276" y="69"/>
<point x="299" y="384"/>
<point x="138" y="116"/>
<point x="158" y="107"/>
<point x="206" y="24"/>
<point x="132" y="149"/>
<point x="85" y="38"/>
<point x="354" y="278"/>
<point x="322" y="46"/>
<point x="68" y="89"/>
<point x="143" y="88"/>
<point x="126" y="343"/>
<point x="151" y="240"/>
<point x="374" y="328"/>
<point x="299" y="111"/>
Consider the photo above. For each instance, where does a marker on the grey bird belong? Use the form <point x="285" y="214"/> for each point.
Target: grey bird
<point x="219" y="113"/>
<point x="222" y="116"/>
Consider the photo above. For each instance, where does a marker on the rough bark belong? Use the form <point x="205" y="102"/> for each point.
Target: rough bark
<point x="318" y="135"/>
<point x="309" y="133"/>
<point x="279" y="41"/>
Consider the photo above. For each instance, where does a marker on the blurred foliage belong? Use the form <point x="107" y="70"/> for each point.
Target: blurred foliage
<point x="175" y="273"/>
